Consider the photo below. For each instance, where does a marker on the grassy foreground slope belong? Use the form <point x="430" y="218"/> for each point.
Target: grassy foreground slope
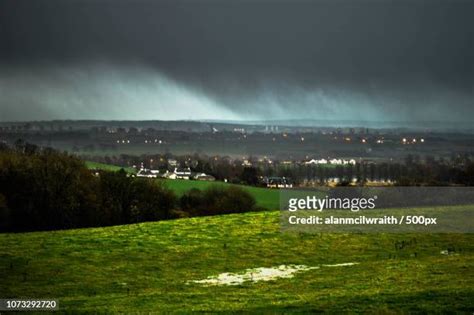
<point x="145" y="268"/>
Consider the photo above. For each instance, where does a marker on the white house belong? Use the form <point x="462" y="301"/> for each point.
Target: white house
<point x="342" y="161"/>
<point x="144" y="172"/>
<point x="183" y="173"/>
<point x="277" y="182"/>
<point x="204" y="176"/>
<point x="315" y="162"/>
<point x="335" y="161"/>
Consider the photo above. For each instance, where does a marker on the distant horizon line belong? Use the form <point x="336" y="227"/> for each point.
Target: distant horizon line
<point x="245" y="120"/>
<point x="440" y="126"/>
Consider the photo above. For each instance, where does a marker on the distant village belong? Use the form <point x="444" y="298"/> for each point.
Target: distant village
<point x="186" y="173"/>
<point x="178" y="172"/>
<point x="181" y="137"/>
<point x="259" y="155"/>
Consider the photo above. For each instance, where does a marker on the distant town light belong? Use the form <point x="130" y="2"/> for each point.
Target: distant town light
<point x="364" y="141"/>
<point x="414" y="140"/>
<point x="404" y="140"/>
<point x="422" y="140"/>
<point x="302" y="138"/>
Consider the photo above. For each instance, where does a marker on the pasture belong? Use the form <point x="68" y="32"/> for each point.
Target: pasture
<point x="162" y="267"/>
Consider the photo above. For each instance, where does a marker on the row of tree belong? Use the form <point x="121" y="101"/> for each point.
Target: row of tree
<point x="413" y="170"/>
<point x="46" y="190"/>
<point x="416" y="174"/>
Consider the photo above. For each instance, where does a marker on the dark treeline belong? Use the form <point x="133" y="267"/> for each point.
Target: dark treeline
<point x="413" y="170"/>
<point x="42" y="189"/>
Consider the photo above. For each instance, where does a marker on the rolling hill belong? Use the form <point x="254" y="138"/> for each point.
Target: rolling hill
<point x="160" y="267"/>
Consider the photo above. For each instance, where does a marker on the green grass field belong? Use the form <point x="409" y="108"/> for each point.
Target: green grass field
<point x="266" y="197"/>
<point x="146" y="268"/>
<point x="108" y="167"/>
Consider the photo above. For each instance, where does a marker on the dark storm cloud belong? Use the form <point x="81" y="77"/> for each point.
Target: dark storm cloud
<point x="273" y="59"/>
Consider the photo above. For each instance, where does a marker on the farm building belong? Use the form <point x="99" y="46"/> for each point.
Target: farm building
<point x="277" y="182"/>
<point x="179" y="173"/>
<point x="203" y="176"/>
<point x="148" y="173"/>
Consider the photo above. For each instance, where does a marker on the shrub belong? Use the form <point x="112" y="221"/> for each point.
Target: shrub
<point x="217" y="200"/>
<point x="151" y="201"/>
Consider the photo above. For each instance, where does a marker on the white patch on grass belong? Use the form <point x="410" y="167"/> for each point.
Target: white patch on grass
<point x="259" y="274"/>
<point x="448" y="252"/>
<point x="342" y="265"/>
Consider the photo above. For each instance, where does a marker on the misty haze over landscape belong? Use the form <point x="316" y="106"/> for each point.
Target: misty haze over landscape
<point x="247" y="61"/>
<point x="137" y="92"/>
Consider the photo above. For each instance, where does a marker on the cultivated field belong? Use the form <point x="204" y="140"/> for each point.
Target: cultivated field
<point x="150" y="267"/>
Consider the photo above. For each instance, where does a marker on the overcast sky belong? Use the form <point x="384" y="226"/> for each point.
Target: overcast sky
<point x="406" y="60"/>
